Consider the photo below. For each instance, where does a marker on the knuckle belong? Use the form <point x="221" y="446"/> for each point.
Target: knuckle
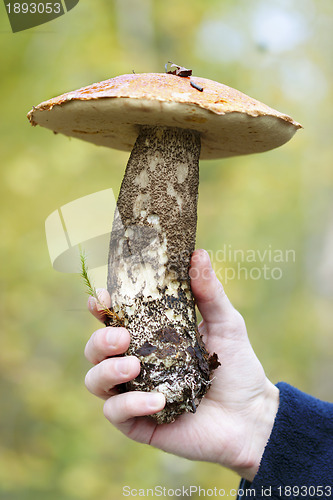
<point x="237" y="317"/>
<point x="236" y="323"/>
<point x="239" y="321"/>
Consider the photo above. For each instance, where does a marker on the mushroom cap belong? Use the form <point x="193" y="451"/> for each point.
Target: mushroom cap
<point x="111" y="112"/>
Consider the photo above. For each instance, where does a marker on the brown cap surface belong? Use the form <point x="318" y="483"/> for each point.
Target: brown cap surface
<point x="111" y="112"/>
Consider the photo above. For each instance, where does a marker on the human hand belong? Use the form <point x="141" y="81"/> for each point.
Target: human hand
<point x="233" y="421"/>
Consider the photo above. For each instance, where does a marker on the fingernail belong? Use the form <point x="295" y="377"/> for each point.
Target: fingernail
<point x="91" y="303"/>
<point x="113" y="336"/>
<point x="122" y="367"/>
<point x="102" y="298"/>
<point x="155" y="400"/>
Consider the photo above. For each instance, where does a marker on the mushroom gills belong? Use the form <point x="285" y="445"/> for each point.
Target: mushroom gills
<point x="152" y="240"/>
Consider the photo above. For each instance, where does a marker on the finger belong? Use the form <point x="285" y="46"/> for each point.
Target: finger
<point x="111" y="372"/>
<point x="96" y="306"/>
<point x="106" y="342"/>
<point x="123" y="407"/>
<point x="211" y="299"/>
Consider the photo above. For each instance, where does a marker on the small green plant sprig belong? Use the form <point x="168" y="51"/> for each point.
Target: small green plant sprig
<point x="112" y="318"/>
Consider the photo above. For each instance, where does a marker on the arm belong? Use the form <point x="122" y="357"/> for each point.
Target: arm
<point x="233" y="422"/>
<point x="298" y="459"/>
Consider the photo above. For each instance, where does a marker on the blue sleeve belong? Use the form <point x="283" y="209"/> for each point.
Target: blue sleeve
<point x="299" y="452"/>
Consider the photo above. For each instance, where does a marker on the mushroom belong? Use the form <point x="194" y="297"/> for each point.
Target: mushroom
<point x="168" y="121"/>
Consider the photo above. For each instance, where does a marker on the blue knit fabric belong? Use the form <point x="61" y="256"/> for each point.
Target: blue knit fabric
<point x="298" y="459"/>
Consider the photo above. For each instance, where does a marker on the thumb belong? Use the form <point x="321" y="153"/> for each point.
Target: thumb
<point x="209" y="294"/>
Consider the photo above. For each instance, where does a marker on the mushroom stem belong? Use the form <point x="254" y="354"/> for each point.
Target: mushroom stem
<point x="153" y="237"/>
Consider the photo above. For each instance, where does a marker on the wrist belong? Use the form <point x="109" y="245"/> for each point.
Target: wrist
<point x="259" y="431"/>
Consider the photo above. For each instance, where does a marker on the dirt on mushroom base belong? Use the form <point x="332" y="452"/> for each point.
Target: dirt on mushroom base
<point x="173" y="357"/>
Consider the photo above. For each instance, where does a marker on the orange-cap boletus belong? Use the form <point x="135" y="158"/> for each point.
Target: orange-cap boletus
<point x="168" y="122"/>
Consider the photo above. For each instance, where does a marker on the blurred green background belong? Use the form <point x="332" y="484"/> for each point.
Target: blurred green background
<point x="55" y="442"/>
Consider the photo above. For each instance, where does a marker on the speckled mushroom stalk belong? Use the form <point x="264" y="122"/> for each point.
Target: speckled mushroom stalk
<point x="152" y="240"/>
